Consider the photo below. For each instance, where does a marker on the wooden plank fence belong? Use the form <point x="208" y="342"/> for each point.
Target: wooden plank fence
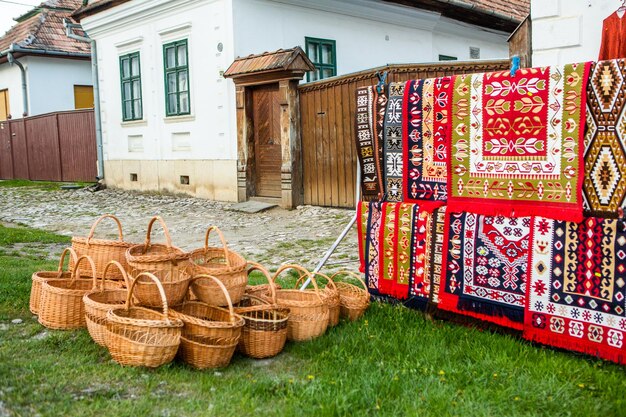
<point x="327" y="111"/>
<point x="57" y="146"/>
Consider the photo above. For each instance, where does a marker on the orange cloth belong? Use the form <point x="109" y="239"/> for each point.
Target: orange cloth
<point x="613" y="44"/>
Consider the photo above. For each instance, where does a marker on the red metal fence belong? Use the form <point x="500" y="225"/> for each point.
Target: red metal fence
<point x="51" y="147"/>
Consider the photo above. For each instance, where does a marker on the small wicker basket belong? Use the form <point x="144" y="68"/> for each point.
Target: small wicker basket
<point x="138" y="336"/>
<point x="308" y="312"/>
<point x="211" y="333"/>
<point x="61" y="306"/>
<point x="354" y="300"/>
<point x="265" y="332"/>
<point x="102" y="251"/>
<point x="330" y="294"/>
<point x="168" y="263"/>
<point x="98" y="302"/>
<point x="223" y="264"/>
<point x="39" y="277"/>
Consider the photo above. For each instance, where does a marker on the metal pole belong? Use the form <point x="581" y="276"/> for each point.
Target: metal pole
<point x="329" y="252"/>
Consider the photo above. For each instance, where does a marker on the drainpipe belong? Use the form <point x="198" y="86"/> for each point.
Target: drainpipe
<point x="12" y="61"/>
<point x="96" y="90"/>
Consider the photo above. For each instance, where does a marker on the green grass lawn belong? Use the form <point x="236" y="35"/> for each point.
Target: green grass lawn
<point x="41" y="185"/>
<point x="393" y="362"/>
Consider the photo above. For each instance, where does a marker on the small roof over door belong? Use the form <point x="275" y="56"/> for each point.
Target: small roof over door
<point x="270" y="66"/>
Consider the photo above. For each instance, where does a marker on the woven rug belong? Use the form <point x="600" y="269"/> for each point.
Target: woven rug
<point x="605" y="140"/>
<point x="426" y="108"/>
<point x="434" y="251"/>
<point x="387" y="252"/>
<point x="404" y="250"/>
<point x="576" y="286"/>
<point x="516" y="142"/>
<point x="362" y="217"/>
<point x="370" y="109"/>
<point x="372" y="241"/>
<point x="392" y="144"/>
<point x="419" y="284"/>
<point x="486" y="261"/>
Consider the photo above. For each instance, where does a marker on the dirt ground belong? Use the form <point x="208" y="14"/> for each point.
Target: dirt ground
<point x="272" y="237"/>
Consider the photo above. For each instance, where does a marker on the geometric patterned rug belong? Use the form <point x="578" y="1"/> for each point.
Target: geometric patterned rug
<point x="605" y="139"/>
<point x="576" y="292"/>
<point x="392" y="145"/>
<point x="516" y="142"/>
<point x="485" y="262"/>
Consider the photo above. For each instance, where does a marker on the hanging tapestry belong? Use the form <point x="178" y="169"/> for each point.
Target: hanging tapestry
<point x="434" y="251"/>
<point x="372" y="256"/>
<point x="370" y="110"/>
<point x="605" y="140"/>
<point x="576" y="288"/>
<point x="425" y="128"/>
<point x="392" y="144"/>
<point x="387" y="253"/>
<point x="420" y="279"/>
<point x="516" y="142"/>
<point x="486" y="261"/>
<point x="404" y="250"/>
<point x="362" y="217"/>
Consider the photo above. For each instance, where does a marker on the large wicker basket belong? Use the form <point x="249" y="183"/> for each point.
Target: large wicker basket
<point x="330" y="294"/>
<point x="354" y="300"/>
<point x="168" y="263"/>
<point x="100" y="301"/>
<point x="308" y="312"/>
<point x="223" y="264"/>
<point x="102" y="251"/>
<point x="138" y="336"/>
<point x="40" y="276"/>
<point x="265" y="332"/>
<point x="62" y="299"/>
<point x="211" y="333"/>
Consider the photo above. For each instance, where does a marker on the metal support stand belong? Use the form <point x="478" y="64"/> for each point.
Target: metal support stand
<point x="329" y="252"/>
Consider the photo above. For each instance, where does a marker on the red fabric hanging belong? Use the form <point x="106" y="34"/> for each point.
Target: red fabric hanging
<point x="613" y="44"/>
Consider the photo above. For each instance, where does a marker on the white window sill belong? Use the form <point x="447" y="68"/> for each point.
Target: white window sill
<point x="130" y="123"/>
<point x="177" y="119"/>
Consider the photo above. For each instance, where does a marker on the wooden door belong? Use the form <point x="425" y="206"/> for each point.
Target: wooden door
<point x="6" y="154"/>
<point x="267" y="148"/>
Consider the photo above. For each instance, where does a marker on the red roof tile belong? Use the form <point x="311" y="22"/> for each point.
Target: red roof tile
<point x="280" y="60"/>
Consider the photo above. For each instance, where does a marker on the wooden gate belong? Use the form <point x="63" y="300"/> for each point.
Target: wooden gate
<point x="267" y="144"/>
<point x="51" y="147"/>
<point x="327" y="112"/>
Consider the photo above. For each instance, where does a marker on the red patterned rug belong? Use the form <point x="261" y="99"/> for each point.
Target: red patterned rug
<point x="576" y="286"/>
<point x="517" y="142"/>
<point x="485" y="262"/>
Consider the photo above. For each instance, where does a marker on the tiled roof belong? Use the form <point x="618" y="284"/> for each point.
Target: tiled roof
<point x="42" y="29"/>
<point x="95" y="6"/>
<point x="280" y="60"/>
<point x="517" y="9"/>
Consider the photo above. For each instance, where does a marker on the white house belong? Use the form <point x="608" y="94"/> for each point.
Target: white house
<point x="565" y="31"/>
<point x="168" y="115"/>
<point x="41" y="70"/>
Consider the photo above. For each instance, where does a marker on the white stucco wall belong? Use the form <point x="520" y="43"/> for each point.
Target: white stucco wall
<point x="367" y="33"/>
<point x="50" y="83"/>
<point x="567" y="31"/>
<point x="11" y="79"/>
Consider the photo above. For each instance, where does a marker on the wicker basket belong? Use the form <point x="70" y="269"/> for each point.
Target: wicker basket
<point x="138" y="336"/>
<point x="102" y="251"/>
<point x="61" y="306"/>
<point x="211" y="333"/>
<point x="265" y="332"/>
<point x="354" y="300"/>
<point x="100" y="301"/>
<point x="168" y="263"/>
<point x="330" y="294"/>
<point x="223" y="264"/>
<point x="39" y="277"/>
<point x="308" y="312"/>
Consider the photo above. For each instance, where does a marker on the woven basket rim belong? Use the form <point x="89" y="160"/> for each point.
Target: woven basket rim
<point x="239" y="265"/>
<point x="174" y="254"/>
<point x="102" y="242"/>
<point x="213" y="324"/>
<point x="166" y="322"/>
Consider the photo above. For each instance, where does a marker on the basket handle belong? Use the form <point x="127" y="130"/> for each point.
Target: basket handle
<point x="168" y="239"/>
<point x="330" y="281"/>
<point x="76" y="270"/>
<point x="221" y="236"/>
<point x="95" y="224"/>
<point x="353" y="275"/>
<point x="301" y="270"/>
<point x="129" y="296"/>
<point x="74" y="257"/>
<point x="224" y="290"/>
<point x="253" y="266"/>
<point x="118" y="266"/>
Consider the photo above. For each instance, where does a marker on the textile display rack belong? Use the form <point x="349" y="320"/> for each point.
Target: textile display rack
<point x="456" y="174"/>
